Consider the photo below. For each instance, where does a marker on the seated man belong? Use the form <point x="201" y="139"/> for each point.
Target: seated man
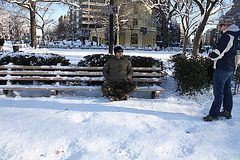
<point x="118" y="73"/>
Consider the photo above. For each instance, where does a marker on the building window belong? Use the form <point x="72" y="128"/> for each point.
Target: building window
<point x="84" y="26"/>
<point x="94" y="38"/>
<point x="134" y="38"/>
<point x="135" y="10"/>
<point x="135" y="22"/>
<point x="93" y="7"/>
<point x="84" y="19"/>
<point x="99" y="1"/>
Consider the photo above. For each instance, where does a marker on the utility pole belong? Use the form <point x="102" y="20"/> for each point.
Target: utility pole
<point x="111" y="28"/>
<point x="33" y="24"/>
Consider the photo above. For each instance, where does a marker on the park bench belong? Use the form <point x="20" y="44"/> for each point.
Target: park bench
<point x="70" y="78"/>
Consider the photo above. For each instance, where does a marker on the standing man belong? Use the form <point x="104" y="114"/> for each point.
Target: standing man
<point x="118" y="73"/>
<point x="1" y="43"/>
<point x="224" y="68"/>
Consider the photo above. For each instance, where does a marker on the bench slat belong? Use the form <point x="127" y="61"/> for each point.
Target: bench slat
<point x="71" y="89"/>
<point x="50" y="73"/>
<point x="80" y="79"/>
<point x="64" y="68"/>
<point x="55" y="73"/>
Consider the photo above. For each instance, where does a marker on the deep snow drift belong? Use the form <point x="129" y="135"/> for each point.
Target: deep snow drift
<point x="92" y="128"/>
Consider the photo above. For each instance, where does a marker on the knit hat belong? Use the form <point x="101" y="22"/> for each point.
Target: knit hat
<point x="118" y="48"/>
<point x="226" y="20"/>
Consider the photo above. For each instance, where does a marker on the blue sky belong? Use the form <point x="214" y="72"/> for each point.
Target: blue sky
<point x="57" y="10"/>
<point x="60" y="9"/>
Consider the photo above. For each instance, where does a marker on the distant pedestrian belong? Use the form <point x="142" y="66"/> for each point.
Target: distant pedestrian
<point x="1" y="43"/>
<point x="224" y="68"/>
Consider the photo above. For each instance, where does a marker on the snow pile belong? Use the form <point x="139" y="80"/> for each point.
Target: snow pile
<point x="93" y="128"/>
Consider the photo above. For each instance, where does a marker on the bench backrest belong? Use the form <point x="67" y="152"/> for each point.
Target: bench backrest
<point x="70" y="73"/>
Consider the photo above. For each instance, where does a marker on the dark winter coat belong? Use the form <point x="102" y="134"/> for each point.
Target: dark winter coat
<point x="226" y="49"/>
<point x="1" y="41"/>
<point x="118" y="70"/>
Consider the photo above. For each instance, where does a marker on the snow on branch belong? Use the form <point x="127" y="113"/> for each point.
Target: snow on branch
<point x="149" y="3"/>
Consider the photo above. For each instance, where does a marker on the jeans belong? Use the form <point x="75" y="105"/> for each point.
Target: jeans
<point x="222" y="92"/>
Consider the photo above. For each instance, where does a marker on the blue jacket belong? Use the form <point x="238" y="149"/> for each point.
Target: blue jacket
<point x="226" y="49"/>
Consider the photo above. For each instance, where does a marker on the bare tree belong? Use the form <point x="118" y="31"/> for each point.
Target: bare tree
<point x="207" y="8"/>
<point x="14" y="25"/>
<point x="188" y="14"/>
<point x="195" y="15"/>
<point x="31" y="6"/>
<point x="61" y="29"/>
<point x="166" y="9"/>
<point x="17" y="27"/>
<point x="45" y="19"/>
<point x="4" y="23"/>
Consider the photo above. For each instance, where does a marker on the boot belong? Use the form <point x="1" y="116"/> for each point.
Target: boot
<point x="123" y="96"/>
<point x="226" y="114"/>
<point x="113" y="98"/>
<point x="209" y="118"/>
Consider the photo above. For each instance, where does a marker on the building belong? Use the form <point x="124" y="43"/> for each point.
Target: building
<point x="88" y="17"/>
<point x="136" y="26"/>
<point x="207" y="37"/>
<point x="235" y="12"/>
<point x="63" y="19"/>
<point x="63" y="28"/>
<point x="210" y="37"/>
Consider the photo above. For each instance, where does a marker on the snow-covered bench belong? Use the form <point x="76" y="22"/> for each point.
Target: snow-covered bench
<point x="66" y="78"/>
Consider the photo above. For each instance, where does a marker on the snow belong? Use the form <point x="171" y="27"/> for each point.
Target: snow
<point x="92" y="128"/>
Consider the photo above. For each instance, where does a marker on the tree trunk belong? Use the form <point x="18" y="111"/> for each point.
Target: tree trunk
<point x="43" y="36"/>
<point x="198" y="36"/>
<point x="165" y="29"/>
<point x="165" y="33"/>
<point x="185" y="44"/>
<point x="197" y="40"/>
<point x="33" y="25"/>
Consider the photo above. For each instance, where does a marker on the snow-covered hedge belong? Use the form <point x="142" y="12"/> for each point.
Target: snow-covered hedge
<point x="192" y="74"/>
<point x="100" y="59"/>
<point x="33" y="59"/>
<point x="236" y="79"/>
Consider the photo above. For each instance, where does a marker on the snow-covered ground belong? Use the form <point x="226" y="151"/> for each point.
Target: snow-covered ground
<point x="68" y="127"/>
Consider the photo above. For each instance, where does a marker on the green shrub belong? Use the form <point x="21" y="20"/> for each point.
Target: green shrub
<point x="192" y="74"/>
<point x="99" y="60"/>
<point x="236" y="80"/>
<point x="33" y="59"/>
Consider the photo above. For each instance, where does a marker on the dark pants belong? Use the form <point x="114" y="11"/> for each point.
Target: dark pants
<point x="118" y="89"/>
<point x="222" y="92"/>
